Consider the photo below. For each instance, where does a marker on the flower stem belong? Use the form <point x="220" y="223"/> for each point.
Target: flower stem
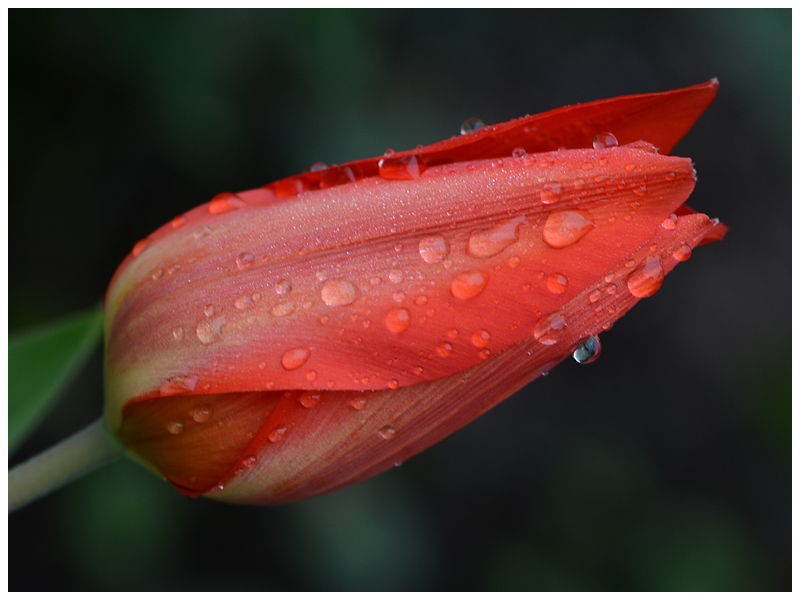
<point x="90" y="448"/>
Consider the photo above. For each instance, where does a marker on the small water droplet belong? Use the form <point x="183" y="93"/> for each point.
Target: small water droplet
<point x="421" y="300"/>
<point x="399" y="296"/>
<point x="469" y="285"/>
<point x="603" y="141"/>
<point x="175" y="427"/>
<point x="393" y="384"/>
<point x="157" y="275"/>
<point x="588" y="351"/>
<point x="403" y="168"/>
<point x="310" y="399"/>
<point x="489" y="242"/>
<point x="565" y="227"/>
<point x="670" y="222"/>
<point x="339" y="292"/>
<point x="276" y="434"/>
<point x="595" y="296"/>
<point x="557" y="283"/>
<point x="471" y="124"/>
<point x="210" y="331"/>
<point x="683" y="253"/>
<point x="178" y="333"/>
<point x="388" y="152"/>
<point x="387" y="432"/>
<point x="225" y="202"/>
<point x="587" y="166"/>
<point x="244" y="260"/>
<point x="398" y="464"/>
<point x="646" y="278"/>
<point x="396" y="276"/>
<point x="178" y="221"/>
<point x="318" y="166"/>
<point x="433" y="248"/>
<point x="249" y="460"/>
<point x="243" y="302"/>
<point x="551" y="193"/>
<point x="444" y="349"/>
<point x="209" y="310"/>
<point x="202" y="232"/>
<point x="549" y="329"/>
<point x="398" y="320"/>
<point x="294" y="358"/>
<point x="283" y="309"/>
<point x="358" y="403"/>
<point x="217" y="489"/>
<point x="481" y="338"/>
<point x="139" y="247"/>
<point x="453" y="333"/>
<point x="176" y="385"/>
<point x="283" y="287"/>
<point x="484" y="354"/>
<point x="201" y="413"/>
<point x="311" y="375"/>
<point x="518" y="152"/>
<point x="514" y="261"/>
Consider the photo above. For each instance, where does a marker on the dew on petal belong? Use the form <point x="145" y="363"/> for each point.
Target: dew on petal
<point x="551" y="193"/>
<point x="175" y="427"/>
<point x="550" y="329"/>
<point x="595" y="296"/>
<point x="393" y="384"/>
<point x="201" y="413"/>
<point x="403" y="168"/>
<point x="489" y="242"/>
<point x="514" y="261"/>
<point x="565" y="227"/>
<point x="139" y="247"/>
<point x="471" y="124"/>
<point x="178" y="333"/>
<point x="244" y="260"/>
<point x="243" y="302"/>
<point x="283" y="287"/>
<point x="339" y="292"/>
<point x="398" y="320"/>
<point x="518" y="152"/>
<point x="176" y="385"/>
<point x="645" y="280"/>
<point x="210" y="331"/>
<point x="283" y="309"/>
<point x="310" y="399"/>
<point x="387" y="432"/>
<point x="557" y="283"/>
<point x="396" y="276"/>
<point x="603" y="141"/>
<point x="444" y="349"/>
<point x="276" y="434"/>
<point x="588" y="351"/>
<point x="683" y="253"/>
<point x="178" y="221"/>
<point x="209" y="310"/>
<point x="469" y="285"/>
<point x="225" y="202"/>
<point x="358" y="403"/>
<point x="433" y="248"/>
<point x="294" y="358"/>
<point x="670" y="222"/>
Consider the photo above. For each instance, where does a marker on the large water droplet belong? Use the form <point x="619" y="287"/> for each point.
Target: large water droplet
<point x="244" y="260"/>
<point x="471" y="124"/>
<point x="490" y="242"/>
<point x="225" y="202"/>
<point x="565" y="227"/>
<point x="433" y="248"/>
<point x="406" y="167"/>
<point x="550" y="329"/>
<point x="588" y="351"/>
<point x="646" y="278"/>
<point x="481" y="338"/>
<point x="294" y="358"/>
<point x="201" y="413"/>
<point x="398" y="320"/>
<point x="557" y="283"/>
<point x="469" y="285"/>
<point x="387" y="432"/>
<point x="603" y="141"/>
<point x="339" y="292"/>
<point x="210" y="331"/>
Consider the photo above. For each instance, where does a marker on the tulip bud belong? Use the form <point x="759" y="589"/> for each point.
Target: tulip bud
<point x="286" y="341"/>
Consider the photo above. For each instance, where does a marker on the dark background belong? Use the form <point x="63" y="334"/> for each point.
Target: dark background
<point x="664" y="465"/>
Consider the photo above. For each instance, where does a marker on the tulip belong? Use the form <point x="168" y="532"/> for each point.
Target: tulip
<point x="286" y="341"/>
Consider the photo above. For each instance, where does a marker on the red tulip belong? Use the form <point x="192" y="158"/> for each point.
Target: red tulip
<point x="286" y="341"/>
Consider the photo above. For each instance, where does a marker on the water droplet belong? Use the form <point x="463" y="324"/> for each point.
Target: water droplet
<point x="557" y="283"/>
<point x="388" y="152"/>
<point x="398" y="464"/>
<point x="469" y="285"/>
<point x="249" y="460"/>
<point x="243" y="302"/>
<point x="294" y="358"/>
<point x="387" y="432"/>
<point x="489" y="242"/>
<point x="518" y="152"/>
<point x="310" y="399"/>
<point x="484" y="354"/>
<point x="210" y="331"/>
<point x="405" y="168"/>
<point x="202" y="232"/>
<point x="683" y="253"/>
<point x="358" y="403"/>
<point x="321" y="275"/>
<point x="453" y="333"/>
<point x="595" y="296"/>
<point x="398" y="320"/>
<point x="283" y="309"/>
<point x="603" y="141"/>
<point x="217" y="489"/>
<point x="339" y="292"/>
<point x="481" y="338"/>
<point x="209" y="310"/>
<point x="565" y="227"/>
<point x="588" y="351"/>
<point x="433" y="248"/>
<point x="175" y="427"/>
<point x="283" y="287"/>
<point x="444" y="349"/>
<point x="551" y="193"/>
<point x="396" y="276"/>
<point x="276" y="434"/>
<point x="670" y="222"/>
<point x="201" y="413"/>
<point x="646" y="278"/>
<point x="139" y="247"/>
<point x="311" y="375"/>
<point x="178" y="333"/>
<point x="587" y="166"/>
<point x="399" y="296"/>
<point x="393" y="384"/>
<point x="244" y="260"/>
<point x="470" y="125"/>
<point x="182" y="383"/>
<point x="318" y="166"/>
<point x="178" y="221"/>
<point x="514" y="261"/>
<point x="157" y="275"/>
<point x="549" y="329"/>
<point x="340" y="175"/>
<point x="225" y="202"/>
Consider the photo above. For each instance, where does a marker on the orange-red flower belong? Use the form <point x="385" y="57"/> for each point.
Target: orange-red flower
<point x="289" y="340"/>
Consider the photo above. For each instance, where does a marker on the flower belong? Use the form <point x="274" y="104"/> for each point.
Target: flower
<point x="286" y="341"/>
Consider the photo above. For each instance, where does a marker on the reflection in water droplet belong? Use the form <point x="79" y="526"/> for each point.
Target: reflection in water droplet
<point x="549" y="329"/>
<point x="469" y="285"/>
<point x="646" y="278"/>
<point x="210" y="331"/>
<point x="433" y="248"/>
<point x="603" y="141"/>
<point x="453" y="333"/>
<point x="244" y="260"/>
<point x="294" y="358"/>
<point x="470" y="125"/>
<point x="683" y="253"/>
<point x="339" y="292"/>
<point x="481" y="338"/>
<point x="387" y="432"/>
<point x="588" y="351"/>
<point x="444" y="349"/>
<point x="276" y="434"/>
<point x="565" y="227"/>
<point x="201" y="413"/>
<point x="398" y="320"/>
<point x="310" y="399"/>
<point x="489" y="242"/>
<point x="557" y="283"/>
<point x="175" y="427"/>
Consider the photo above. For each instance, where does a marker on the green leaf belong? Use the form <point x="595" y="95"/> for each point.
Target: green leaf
<point x="41" y="363"/>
